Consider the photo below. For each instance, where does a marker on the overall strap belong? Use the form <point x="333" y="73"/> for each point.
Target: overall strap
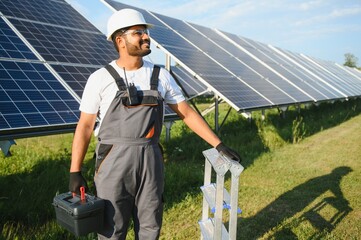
<point x="155" y="78"/>
<point x="118" y="79"/>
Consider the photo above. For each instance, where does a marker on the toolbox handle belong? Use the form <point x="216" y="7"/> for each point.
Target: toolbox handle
<point x="82" y="194"/>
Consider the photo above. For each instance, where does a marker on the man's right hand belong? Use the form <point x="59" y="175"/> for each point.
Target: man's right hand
<point x="76" y="181"/>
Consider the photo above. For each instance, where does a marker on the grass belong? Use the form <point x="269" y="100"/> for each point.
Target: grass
<point x="301" y="177"/>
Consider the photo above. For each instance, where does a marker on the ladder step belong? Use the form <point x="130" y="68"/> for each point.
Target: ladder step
<point x="207" y="229"/>
<point x="209" y="193"/>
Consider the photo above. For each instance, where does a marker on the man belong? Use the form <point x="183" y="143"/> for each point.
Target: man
<point x="128" y="96"/>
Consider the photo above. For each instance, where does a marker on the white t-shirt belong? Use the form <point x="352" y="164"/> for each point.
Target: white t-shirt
<point x="101" y="88"/>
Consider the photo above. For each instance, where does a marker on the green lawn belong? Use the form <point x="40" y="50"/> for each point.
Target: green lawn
<point x="301" y="179"/>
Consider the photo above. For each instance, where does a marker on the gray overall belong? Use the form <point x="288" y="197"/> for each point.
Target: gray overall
<point x="129" y="164"/>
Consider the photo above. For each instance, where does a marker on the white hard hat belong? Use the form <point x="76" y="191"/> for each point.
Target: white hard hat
<point x="125" y="18"/>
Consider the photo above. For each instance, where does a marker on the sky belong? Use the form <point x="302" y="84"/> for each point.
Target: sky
<point x="324" y="29"/>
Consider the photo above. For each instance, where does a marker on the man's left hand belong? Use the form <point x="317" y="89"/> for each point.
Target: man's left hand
<point x="223" y="149"/>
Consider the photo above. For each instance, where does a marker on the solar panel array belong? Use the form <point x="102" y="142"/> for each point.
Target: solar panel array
<point x="32" y="99"/>
<point x="247" y="74"/>
<point x="48" y="50"/>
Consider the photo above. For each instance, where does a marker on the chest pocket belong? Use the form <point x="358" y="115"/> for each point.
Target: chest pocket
<point x="132" y="121"/>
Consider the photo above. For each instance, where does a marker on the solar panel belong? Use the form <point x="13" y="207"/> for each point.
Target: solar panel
<point x="62" y="37"/>
<point x="283" y="72"/>
<point x="252" y="70"/>
<point x="38" y="95"/>
<point x="32" y="98"/>
<point x="355" y="72"/>
<point x="291" y="71"/>
<point x="192" y="86"/>
<point x="58" y="44"/>
<point x="11" y="45"/>
<point x="75" y="76"/>
<point x="237" y="93"/>
<point x="348" y="81"/>
<point x="71" y="48"/>
<point x="248" y="73"/>
<point x="325" y="75"/>
<point x="49" y="12"/>
<point x="321" y="76"/>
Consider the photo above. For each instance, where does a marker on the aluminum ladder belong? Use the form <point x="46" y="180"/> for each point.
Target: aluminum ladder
<point x="216" y="197"/>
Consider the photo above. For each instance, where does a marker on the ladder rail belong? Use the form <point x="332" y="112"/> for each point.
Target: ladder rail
<point x="214" y="229"/>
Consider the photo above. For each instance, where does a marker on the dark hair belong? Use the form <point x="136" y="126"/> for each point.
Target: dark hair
<point x="117" y="33"/>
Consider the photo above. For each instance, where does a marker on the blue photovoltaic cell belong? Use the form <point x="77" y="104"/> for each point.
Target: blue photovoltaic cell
<point x="30" y="96"/>
<point x="11" y="46"/>
<point x="234" y="91"/>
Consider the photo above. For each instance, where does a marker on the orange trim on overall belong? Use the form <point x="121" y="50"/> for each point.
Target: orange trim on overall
<point x="150" y="133"/>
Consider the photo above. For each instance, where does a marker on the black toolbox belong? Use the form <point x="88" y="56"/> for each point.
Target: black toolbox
<point x="79" y="216"/>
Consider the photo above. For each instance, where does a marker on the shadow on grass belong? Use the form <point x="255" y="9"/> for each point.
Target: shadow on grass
<point x="183" y="153"/>
<point x="184" y="161"/>
<point x="295" y="201"/>
<point x="313" y="119"/>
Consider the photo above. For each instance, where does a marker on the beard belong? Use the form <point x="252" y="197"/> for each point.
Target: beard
<point x="139" y="50"/>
